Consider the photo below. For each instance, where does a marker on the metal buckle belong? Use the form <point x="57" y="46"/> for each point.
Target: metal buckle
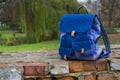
<point x="73" y="33"/>
<point x="82" y="51"/>
<point x="65" y="57"/>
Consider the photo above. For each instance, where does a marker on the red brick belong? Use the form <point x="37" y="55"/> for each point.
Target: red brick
<point x="65" y="78"/>
<point x="106" y="77"/>
<point x="101" y="65"/>
<point x="80" y="66"/>
<point x="76" y="66"/>
<point x="40" y="70"/>
<point x="28" y="79"/>
<point x="36" y="69"/>
<point x="44" y="79"/>
<point x="90" y="77"/>
<point x="89" y="66"/>
<point x="3" y="65"/>
<point x="98" y="65"/>
<point x="29" y="71"/>
<point x="37" y="79"/>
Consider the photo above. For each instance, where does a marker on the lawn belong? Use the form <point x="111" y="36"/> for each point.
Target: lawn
<point x="7" y="34"/>
<point x="10" y="34"/>
<point x="48" y="45"/>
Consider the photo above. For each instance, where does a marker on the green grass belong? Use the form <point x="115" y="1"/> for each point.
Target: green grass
<point x="9" y="34"/>
<point x="118" y="30"/>
<point x="48" y="45"/>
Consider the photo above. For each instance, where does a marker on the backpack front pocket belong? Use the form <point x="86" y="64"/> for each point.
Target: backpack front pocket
<point x="78" y="46"/>
<point x="89" y="50"/>
<point x="65" y="52"/>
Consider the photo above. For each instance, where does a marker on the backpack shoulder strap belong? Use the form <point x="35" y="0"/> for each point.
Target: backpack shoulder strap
<point x="105" y="38"/>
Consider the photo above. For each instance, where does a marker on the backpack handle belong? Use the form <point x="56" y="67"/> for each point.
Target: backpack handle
<point x="79" y="9"/>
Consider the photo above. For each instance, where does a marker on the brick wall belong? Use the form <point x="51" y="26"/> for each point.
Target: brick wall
<point x="57" y="69"/>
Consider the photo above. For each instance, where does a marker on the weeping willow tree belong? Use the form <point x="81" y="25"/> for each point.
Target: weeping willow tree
<point x="22" y="15"/>
<point x="39" y="19"/>
<point x="10" y="13"/>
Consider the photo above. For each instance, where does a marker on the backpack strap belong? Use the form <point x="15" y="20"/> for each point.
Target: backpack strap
<point x="105" y="39"/>
<point x="103" y="33"/>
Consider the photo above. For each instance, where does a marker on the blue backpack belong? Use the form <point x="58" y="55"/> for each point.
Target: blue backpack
<point x="79" y="36"/>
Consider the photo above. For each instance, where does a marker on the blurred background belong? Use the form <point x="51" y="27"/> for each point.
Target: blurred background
<point x="34" y="24"/>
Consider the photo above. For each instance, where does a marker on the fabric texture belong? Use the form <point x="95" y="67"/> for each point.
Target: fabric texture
<point x="77" y="22"/>
<point x="87" y="32"/>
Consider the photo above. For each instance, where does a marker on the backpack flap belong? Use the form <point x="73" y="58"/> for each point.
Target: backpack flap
<point x="77" y="22"/>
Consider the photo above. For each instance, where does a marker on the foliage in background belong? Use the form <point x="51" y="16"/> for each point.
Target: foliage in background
<point x="39" y="19"/>
<point x="10" y="38"/>
<point x="110" y="13"/>
<point x="43" y="16"/>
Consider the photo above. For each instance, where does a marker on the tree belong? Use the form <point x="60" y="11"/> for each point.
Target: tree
<point x="39" y="19"/>
<point x="42" y="20"/>
<point x="110" y="13"/>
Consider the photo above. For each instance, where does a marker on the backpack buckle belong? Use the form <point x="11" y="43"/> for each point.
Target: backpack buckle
<point x="73" y="33"/>
<point x="82" y="51"/>
<point x="65" y="57"/>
